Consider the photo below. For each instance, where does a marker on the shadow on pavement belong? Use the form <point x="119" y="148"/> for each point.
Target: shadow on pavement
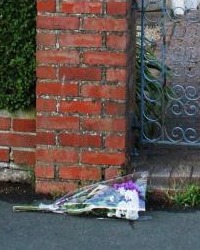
<point x="19" y="193"/>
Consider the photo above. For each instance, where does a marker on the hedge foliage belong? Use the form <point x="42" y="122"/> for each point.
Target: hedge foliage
<point x="17" y="54"/>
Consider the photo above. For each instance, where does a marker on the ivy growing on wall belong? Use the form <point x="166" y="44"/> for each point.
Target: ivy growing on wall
<point x="17" y="54"/>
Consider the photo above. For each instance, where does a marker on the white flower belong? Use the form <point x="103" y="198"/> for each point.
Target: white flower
<point x="129" y="207"/>
<point x="178" y="7"/>
<point x="191" y="4"/>
<point x="132" y="215"/>
<point x="122" y="191"/>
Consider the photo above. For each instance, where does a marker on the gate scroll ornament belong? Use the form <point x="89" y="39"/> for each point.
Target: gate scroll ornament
<point x="171" y="113"/>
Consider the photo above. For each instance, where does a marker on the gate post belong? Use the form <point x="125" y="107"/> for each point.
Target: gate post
<point x="81" y="92"/>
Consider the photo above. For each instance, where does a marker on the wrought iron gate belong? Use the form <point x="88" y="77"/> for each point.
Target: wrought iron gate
<point x="170" y="73"/>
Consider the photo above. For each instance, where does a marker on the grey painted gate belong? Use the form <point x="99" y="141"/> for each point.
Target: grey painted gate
<point x="170" y="73"/>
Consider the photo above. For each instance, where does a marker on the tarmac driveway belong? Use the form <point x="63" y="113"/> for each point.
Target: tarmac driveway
<point x="160" y="231"/>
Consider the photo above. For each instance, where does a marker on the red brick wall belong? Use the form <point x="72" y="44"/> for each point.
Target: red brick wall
<point x="81" y="92"/>
<point x="18" y="141"/>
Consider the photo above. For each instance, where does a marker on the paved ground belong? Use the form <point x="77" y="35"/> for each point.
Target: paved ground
<point x="45" y="231"/>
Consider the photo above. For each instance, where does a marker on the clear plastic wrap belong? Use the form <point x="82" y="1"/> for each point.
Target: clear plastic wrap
<point x="122" y="197"/>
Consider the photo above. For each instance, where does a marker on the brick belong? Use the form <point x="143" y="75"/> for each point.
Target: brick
<point x="17" y="140"/>
<point x="45" y="72"/>
<point x="57" y="56"/>
<point x="104" y="58"/>
<point x="84" y="74"/>
<point x="104" y="24"/>
<point x="46" y="39"/>
<point x="108" y="1"/>
<point x="111" y="173"/>
<point x="112" y="108"/>
<point x="5" y="123"/>
<point x="22" y="140"/>
<point x="46" y="5"/>
<point x="116" y="41"/>
<point x="57" y="22"/>
<point x="57" y="122"/>
<point x="57" y="89"/>
<point x="80" y="40"/>
<point x="46" y="105"/>
<point x="45" y="138"/>
<point x="4" y="154"/>
<point x="81" y="7"/>
<point x="103" y="91"/>
<point x="46" y="172"/>
<point x="80" y="173"/>
<point x="80" y="107"/>
<point x="23" y="125"/>
<point x="116" y="75"/>
<point x="79" y="140"/>
<point x="24" y="157"/>
<point x="115" y="142"/>
<point x="117" y="8"/>
<point x="57" y="155"/>
<point x="104" y="124"/>
<point x="52" y="187"/>
<point x="101" y="158"/>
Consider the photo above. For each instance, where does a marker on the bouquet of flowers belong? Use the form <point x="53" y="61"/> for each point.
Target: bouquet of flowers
<point x="122" y="197"/>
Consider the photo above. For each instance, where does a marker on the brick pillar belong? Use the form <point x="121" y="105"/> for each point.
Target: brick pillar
<point x="81" y="89"/>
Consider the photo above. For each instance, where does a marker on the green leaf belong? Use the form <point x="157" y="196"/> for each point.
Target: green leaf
<point x="17" y="51"/>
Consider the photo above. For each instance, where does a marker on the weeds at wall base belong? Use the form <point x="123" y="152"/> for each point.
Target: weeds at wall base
<point x="186" y="198"/>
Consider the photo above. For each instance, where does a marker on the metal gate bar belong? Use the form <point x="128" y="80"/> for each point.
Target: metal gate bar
<point x="170" y="73"/>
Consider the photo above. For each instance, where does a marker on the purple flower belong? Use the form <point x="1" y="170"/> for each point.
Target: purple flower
<point x="129" y="185"/>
